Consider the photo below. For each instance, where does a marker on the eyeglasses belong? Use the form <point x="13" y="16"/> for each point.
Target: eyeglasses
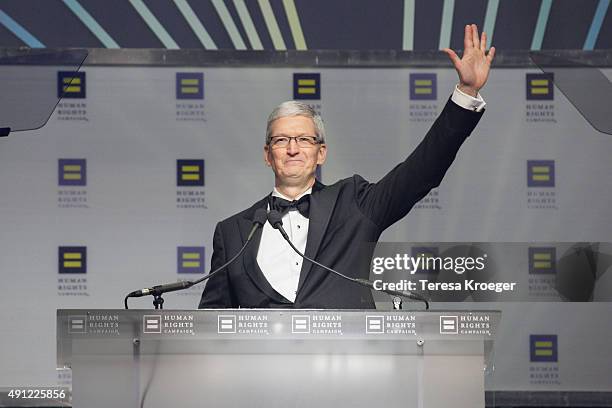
<point x="302" y="141"/>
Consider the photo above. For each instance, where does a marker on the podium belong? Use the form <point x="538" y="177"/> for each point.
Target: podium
<point x="276" y="357"/>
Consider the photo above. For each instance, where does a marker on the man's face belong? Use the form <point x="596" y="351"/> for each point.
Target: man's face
<point x="294" y="165"/>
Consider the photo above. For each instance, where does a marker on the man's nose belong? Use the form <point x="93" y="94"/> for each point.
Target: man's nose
<point x="292" y="147"/>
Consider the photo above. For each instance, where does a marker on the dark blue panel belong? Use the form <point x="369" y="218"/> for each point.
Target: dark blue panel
<point x="51" y="22"/>
<point x="466" y="12"/>
<point x="234" y="14"/>
<point x="568" y="24"/>
<point x="260" y="25"/>
<point x="604" y="41"/>
<point x="207" y="14"/>
<point x="8" y="39"/>
<point x="427" y="20"/>
<point x="123" y="23"/>
<point x="173" y="21"/>
<point x="515" y="24"/>
<point x="283" y="23"/>
<point x="343" y="24"/>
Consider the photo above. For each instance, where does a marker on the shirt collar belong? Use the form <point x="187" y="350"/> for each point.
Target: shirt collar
<point x="276" y="193"/>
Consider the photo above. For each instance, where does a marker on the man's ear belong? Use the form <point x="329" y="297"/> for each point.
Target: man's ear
<point x="267" y="155"/>
<point x="322" y="155"/>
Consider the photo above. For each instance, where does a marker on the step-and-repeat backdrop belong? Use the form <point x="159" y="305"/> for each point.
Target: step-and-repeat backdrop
<point x="124" y="185"/>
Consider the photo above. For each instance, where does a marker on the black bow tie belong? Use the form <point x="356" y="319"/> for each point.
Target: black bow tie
<point x="302" y="205"/>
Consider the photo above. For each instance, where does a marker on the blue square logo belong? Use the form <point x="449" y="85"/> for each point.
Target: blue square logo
<point x="423" y="87"/>
<point x="72" y="172"/>
<point x="71" y="85"/>
<point x="190" y="259"/>
<point x="189" y="85"/>
<point x="543" y="348"/>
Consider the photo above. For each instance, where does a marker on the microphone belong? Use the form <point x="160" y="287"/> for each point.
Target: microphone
<point x="275" y="219"/>
<point x="258" y="221"/>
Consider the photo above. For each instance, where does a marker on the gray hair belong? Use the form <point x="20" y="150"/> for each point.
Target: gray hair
<point x="295" y="108"/>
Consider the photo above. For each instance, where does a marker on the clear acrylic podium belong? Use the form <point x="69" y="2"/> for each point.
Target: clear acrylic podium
<point x="276" y="358"/>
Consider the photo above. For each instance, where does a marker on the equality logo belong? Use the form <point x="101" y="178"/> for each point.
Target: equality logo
<point x="423" y="87"/>
<point x="72" y="172"/>
<point x="189" y="85"/>
<point x="306" y="86"/>
<point x="71" y="85"/>
<point x="539" y="86"/>
<point x="540" y="173"/>
<point x="542" y="260"/>
<point x="543" y="348"/>
<point x="190" y="259"/>
<point x="190" y="173"/>
<point x="72" y="259"/>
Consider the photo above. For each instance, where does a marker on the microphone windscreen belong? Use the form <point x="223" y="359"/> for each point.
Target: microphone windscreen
<point x="275" y="219"/>
<point x="260" y="216"/>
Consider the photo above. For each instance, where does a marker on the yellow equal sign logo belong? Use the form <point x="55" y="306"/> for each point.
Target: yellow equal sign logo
<point x="70" y="84"/>
<point x="540" y="173"/>
<point x="190" y="259"/>
<point x="72" y="172"/>
<point x="542" y="260"/>
<point x="540" y="86"/>
<point x="423" y="86"/>
<point x="189" y="85"/>
<point x="72" y="259"/>
<point x="306" y="86"/>
<point x="543" y="347"/>
<point x="190" y="173"/>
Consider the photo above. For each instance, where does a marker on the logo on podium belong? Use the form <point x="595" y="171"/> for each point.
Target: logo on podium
<point x="77" y="324"/>
<point x="375" y="324"/>
<point x="226" y="324"/>
<point x="300" y="324"/>
<point x="151" y="324"/>
<point x="449" y="325"/>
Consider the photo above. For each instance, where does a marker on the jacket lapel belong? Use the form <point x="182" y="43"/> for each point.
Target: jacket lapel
<point x="322" y="202"/>
<point x="249" y="257"/>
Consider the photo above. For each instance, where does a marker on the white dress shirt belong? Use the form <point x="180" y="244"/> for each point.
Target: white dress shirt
<point x="279" y="263"/>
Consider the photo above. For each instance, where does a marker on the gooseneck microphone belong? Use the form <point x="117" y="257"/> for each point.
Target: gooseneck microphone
<point x="258" y="221"/>
<point x="275" y="219"/>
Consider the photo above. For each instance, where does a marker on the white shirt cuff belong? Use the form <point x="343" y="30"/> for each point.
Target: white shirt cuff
<point x="468" y="102"/>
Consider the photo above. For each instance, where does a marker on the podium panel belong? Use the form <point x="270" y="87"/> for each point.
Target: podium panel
<point x="276" y="358"/>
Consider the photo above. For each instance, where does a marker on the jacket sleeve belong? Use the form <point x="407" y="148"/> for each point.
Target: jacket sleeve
<point x="390" y="199"/>
<point x="217" y="292"/>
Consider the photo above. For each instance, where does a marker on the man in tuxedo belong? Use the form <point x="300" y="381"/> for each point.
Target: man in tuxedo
<point x="330" y="223"/>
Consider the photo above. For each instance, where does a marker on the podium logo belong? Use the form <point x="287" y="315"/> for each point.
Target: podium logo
<point x="542" y="260"/>
<point x="190" y="259"/>
<point x="423" y="87"/>
<point x="226" y="324"/>
<point x="71" y="85"/>
<point x="72" y="172"/>
<point x="189" y="85"/>
<point x="306" y="86"/>
<point x="540" y="86"/>
<point x="151" y="323"/>
<point x="72" y="259"/>
<point x="543" y="348"/>
<point x="540" y="173"/>
<point x="449" y="325"/>
<point x="375" y="324"/>
<point x="77" y="324"/>
<point x="190" y="173"/>
<point x="300" y="324"/>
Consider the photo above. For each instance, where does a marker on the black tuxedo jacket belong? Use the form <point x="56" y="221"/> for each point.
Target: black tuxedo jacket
<point x="343" y="217"/>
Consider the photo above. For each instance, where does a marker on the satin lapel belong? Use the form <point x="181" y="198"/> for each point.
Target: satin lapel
<point x="322" y="202"/>
<point x="249" y="257"/>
